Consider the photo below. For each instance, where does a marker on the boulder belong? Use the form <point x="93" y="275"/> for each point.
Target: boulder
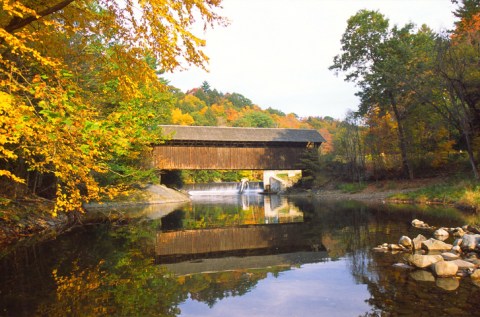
<point x="476" y="274"/>
<point x="422" y="276"/>
<point x="445" y="268"/>
<point x="449" y="256"/>
<point x="473" y="229"/>
<point x="441" y="234"/>
<point x="405" y="241"/>
<point x="417" y="242"/>
<point x="458" y="232"/>
<point x="448" y="283"/>
<point x="380" y="249"/>
<point x="420" y="224"/>
<point x="457" y="241"/>
<point x="470" y="241"/>
<point x="462" y="264"/>
<point x="457" y="249"/>
<point x="395" y="247"/>
<point x="422" y="261"/>
<point x="435" y="245"/>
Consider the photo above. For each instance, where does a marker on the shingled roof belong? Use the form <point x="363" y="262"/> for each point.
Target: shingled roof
<point x="229" y="134"/>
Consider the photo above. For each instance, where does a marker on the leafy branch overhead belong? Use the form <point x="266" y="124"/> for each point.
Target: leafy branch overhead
<point x="80" y="94"/>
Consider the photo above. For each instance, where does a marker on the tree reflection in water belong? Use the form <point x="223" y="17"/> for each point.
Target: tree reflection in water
<point x="109" y="270"/>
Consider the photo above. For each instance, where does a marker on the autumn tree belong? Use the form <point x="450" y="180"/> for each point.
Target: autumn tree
<point x="79" y="85"/>
<point x="385" y="63"/>
<point x="456" y="67"/>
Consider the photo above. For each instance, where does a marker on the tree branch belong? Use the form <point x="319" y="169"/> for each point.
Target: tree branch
<point x="17" y="23"/>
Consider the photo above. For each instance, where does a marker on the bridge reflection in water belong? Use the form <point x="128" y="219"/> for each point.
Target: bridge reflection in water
<point x="278" y="237"/>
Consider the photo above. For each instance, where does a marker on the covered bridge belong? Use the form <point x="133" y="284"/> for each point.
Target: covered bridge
<point x="193" y="147"/>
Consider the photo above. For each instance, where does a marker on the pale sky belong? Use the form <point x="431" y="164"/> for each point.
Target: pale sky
<point x="277" y="52"/>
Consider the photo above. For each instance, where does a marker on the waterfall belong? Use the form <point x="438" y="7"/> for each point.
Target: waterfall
<point x="224" y="188"/>
<point x="243" y="185"/>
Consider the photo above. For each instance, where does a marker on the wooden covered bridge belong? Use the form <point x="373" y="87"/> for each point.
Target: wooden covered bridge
<point x="194" y="148"/>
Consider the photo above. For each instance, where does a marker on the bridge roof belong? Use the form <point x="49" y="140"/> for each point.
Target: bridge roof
<point x="229" y="134"/>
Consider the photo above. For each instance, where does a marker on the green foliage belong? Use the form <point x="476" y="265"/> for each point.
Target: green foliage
<point x="212" y="176"/>
<point x="311" y="169"/>
<point x="255" y="119"/>
<point x="275" y="111"/>
<point x="239" y="101"/>
<point x="351" y="188"/>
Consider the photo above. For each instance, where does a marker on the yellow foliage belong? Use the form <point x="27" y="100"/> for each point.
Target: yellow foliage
<point x="181" y="118"/>
<point x="73" y="81"/>
<point x="218" y="110"/>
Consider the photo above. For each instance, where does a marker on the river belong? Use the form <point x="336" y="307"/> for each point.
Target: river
<point x="235" y="255"/>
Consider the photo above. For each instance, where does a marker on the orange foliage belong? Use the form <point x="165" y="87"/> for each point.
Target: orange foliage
<point x="232" y="114"/>
<point x="327" y="147"/>
<point x="468" y="30"/>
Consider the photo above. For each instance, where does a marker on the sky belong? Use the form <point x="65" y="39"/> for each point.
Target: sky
<point x="277" y="52"/>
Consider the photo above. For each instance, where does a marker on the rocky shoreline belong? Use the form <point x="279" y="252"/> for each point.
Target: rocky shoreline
<point x="434" y="260"/>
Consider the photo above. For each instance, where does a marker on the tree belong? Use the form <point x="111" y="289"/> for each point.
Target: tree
<point x="255" y="119"/>
<point x="457" y="69"/>
<point x="385" y="63"/>
<point x="79" y="85"/>
<point x="349" y="144"/>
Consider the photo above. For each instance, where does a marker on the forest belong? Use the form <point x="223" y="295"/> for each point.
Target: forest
<point x="82" y="95"/>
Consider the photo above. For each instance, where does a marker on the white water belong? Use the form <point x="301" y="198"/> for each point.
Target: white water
<point x="227" y="188"/>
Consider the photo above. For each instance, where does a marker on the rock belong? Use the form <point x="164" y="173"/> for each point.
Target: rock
<point x="417" y="242"/>
<point x="380" y="249"/>
<point x="402" y="266"/>
<point x="448" y="283"/>
<point x="457" y="249"/>
<point x="422" y="276"/>
<point x="417" y="223"/>
<point x="462" y="264"/>
<point x="422" y="261"/>
<point x="473" y="229"/>
<point x="405" y="241"/>
<point x="449" y="256"/>
<point x="472" y="255"/>
<point x="476" y="282"/>
<point x="470" y="241"/>
<point x="444" y="268"/>
<point x="420" y="224"/>
<point x="457" y="242"/>
<point x="475" y="274"/>
<point x="435" y="245"/>
<point x="394" y="247"/>
<point x="458" y="232"/>
<point x="441" y="234"/>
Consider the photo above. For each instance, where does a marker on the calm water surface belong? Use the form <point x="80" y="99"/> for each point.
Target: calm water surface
<point x="307" y="258"/>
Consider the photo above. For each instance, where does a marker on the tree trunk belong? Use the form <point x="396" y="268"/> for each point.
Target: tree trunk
<point x="406" y="169"/>
<point x="471" y="155"/>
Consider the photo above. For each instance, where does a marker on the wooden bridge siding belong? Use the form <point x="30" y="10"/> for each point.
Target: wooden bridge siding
<point x="205" y="241"/>
<point x="203" y="157"/>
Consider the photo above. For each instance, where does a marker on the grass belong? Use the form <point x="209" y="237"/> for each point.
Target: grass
<point x="464" y="194"/>
<point x="352" y="188"/>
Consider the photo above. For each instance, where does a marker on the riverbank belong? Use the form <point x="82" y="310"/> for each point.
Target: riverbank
<point x="463" y="194"/>
<point x="373" y="191"/>
<point x="32" y="217"/>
